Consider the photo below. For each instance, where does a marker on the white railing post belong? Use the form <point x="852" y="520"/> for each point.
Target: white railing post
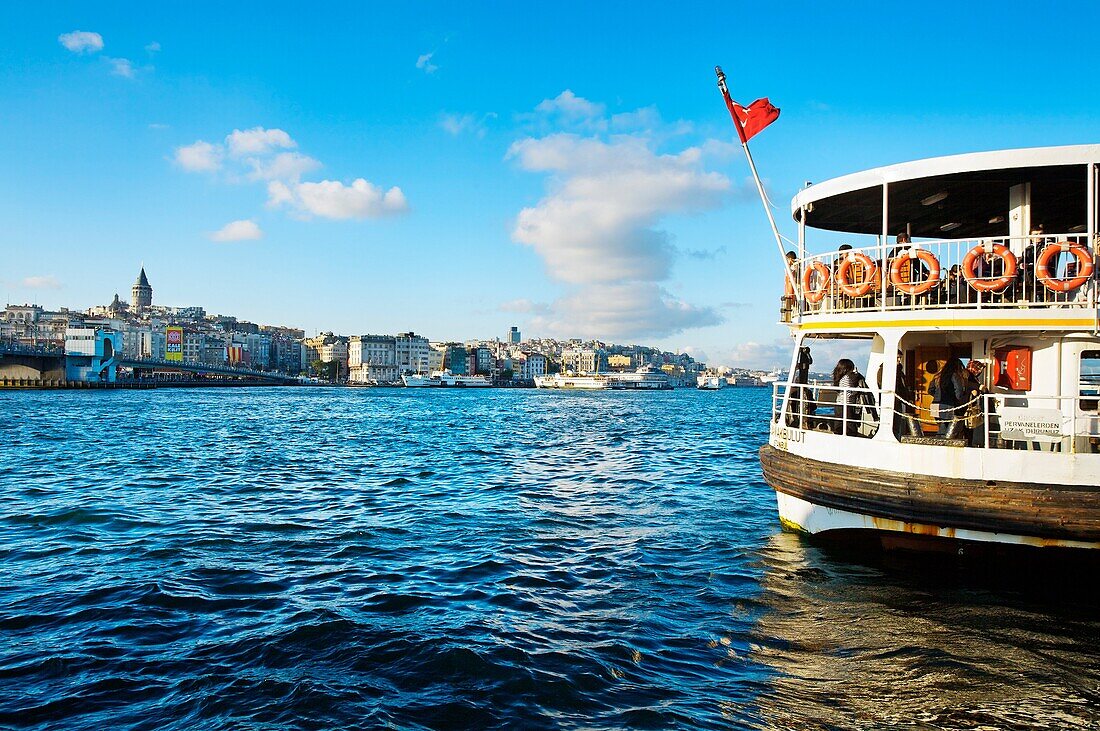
<point x="1091" y="233"/>
<point x="882" y="247"/>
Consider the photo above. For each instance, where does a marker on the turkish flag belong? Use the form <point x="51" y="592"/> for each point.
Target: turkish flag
<point x="754" y="117"/>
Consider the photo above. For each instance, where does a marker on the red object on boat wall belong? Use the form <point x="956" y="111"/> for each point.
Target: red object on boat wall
<point x="1012" y="367"/>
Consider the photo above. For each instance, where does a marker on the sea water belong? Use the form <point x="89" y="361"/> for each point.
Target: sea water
<point x="321" y="558"/>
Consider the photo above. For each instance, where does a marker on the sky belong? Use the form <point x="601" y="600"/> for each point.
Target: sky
<point x="456" y="169"/>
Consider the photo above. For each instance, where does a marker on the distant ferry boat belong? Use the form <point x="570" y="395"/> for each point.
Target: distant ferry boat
<point x="642" y="380"/>
<point x="445" y="379"/>
<point x="596" y="382"/>
<point x="708" y="383"/>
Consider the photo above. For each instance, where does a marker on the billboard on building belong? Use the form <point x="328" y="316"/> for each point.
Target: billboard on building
<point x="173" y="344"/>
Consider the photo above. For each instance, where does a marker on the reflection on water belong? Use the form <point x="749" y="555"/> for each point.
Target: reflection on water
<point x="920" y="642"/>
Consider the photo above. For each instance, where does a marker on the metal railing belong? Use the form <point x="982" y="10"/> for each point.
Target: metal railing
<point x="1066" y="424"/>
<point x="1004" y="272"/>
<point x="827" y="408"/>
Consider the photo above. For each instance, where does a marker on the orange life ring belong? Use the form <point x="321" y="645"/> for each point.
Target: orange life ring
<point x="844" y="271"/>
<point x="811" y="294"/>
<point x="989" y="285"/>
<point x="1054" y="284"/>
<point x="915" y="254"/>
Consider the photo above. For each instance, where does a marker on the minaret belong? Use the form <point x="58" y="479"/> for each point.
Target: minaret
<point x="142" y="292"/>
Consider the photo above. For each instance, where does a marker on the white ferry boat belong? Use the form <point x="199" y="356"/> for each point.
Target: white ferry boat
<point x="597" y="382"/>
<point x="640" y="380"/>
<point x="707" y="382"/>
<point x="980" y="417"/>
<point x="643" y="379"/>
<point x="445" y="379"/>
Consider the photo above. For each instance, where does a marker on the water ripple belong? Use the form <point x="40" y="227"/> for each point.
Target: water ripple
<point x="315" y="559"/>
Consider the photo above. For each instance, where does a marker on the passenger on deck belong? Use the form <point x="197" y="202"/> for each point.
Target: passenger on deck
<point x="948" y="393"/>
<point x="849" y="403"/>
<point x="973" y="378"/>
<point x="787" y="304"/>
<point x="956" y="285"/>
<point x="841" y="301"/>
<point x="904" y="423"/>
<point x="1026" y="286"/>
<point x="911" y="269"/>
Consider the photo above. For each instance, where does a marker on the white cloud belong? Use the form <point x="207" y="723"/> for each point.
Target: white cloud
<point x="253" y="155"/>
<point x="598" y="228"/>
<point x="153" y="47"/>
<point x="424" y="63"/>
<point x="199" y="156"/>
<point x="257" y="141"/>
<point x="622" y="311"/>
<point x="753" y="354"/>
<point x="81" y="41"/>
<point x="289" y="166"/>
<point x="597" y="224"/>
<point x="333" y="199"/>
<point x="568" y="109"/>
<point x="244" y="230"/>
<point x="121" y="67"/>
<point x="43" y="281"/>
<point x="158" y="125"/>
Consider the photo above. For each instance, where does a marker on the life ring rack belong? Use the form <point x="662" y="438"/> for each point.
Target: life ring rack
<point x="844" y="271"/>
<point x="995" y="284"/>
<point x="1084" y="266"/>
<point x="811" y="294"/>
<point x="915" y="254"/>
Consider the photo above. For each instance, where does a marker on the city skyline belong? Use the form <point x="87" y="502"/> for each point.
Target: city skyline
<point x="461" y="171"/>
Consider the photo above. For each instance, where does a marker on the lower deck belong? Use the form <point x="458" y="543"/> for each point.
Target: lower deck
<point x="818" y="497"/>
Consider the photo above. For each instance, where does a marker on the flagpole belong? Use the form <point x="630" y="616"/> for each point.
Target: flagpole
<point x="756" y="177"/>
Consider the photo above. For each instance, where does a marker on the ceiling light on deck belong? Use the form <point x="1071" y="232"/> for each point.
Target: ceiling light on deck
<point x="997" y="219"/>
<point x="950" y="226"/>
<point x="933" y="199"/>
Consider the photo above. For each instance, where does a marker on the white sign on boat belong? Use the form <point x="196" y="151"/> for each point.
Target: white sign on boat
<point x="1032" y="425"/>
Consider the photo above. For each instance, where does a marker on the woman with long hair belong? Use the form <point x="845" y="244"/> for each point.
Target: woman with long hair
<point x="845" y="376"/>
<point x="948" y="392"/>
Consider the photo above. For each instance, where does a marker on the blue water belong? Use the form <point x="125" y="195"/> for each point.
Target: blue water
<point x="322" y="558"/>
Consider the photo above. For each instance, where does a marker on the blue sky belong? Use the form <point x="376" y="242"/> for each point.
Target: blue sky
<point x="567" y="168"/>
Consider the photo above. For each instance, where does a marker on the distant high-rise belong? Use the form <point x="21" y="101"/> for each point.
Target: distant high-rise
<point x="513" y="335"/>
<point x="142" y="291"/>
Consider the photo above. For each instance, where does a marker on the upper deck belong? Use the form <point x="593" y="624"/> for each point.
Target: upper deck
<point x="991" y="240"/>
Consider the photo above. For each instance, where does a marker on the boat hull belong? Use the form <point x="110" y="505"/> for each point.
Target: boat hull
<point x="821" y="497"/>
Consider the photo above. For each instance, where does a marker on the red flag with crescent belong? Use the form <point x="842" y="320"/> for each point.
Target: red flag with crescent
<point x="754" y="117"/>
<point x="751" y="119"/>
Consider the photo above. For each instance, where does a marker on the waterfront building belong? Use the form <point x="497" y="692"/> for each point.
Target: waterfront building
<point x="456" y="360"/>
<point x="584" y="360"/>
<point x="619" y="362"/>
<point x="372" y="359"/>
<point x="437" y="356"/>
<point x="412" y="352"/>
<point x="91" y="354"/>
<point x="193" y="343"/>
<point x="483" y="360"/>
<point x="259" y="349"/>
<point x="328" y="348"/>
<point x="528" y="366"/>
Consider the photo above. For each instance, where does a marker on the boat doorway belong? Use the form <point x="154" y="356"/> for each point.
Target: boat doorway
<point x="925" y="363"/>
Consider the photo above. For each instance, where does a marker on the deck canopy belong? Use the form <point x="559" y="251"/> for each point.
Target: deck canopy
<point x="971" y="190"/>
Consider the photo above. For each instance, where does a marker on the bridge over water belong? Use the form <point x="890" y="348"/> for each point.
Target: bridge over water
<point x="24" y="365"/>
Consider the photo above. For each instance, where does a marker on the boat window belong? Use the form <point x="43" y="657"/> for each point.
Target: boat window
<point x="1090" y="379"/>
